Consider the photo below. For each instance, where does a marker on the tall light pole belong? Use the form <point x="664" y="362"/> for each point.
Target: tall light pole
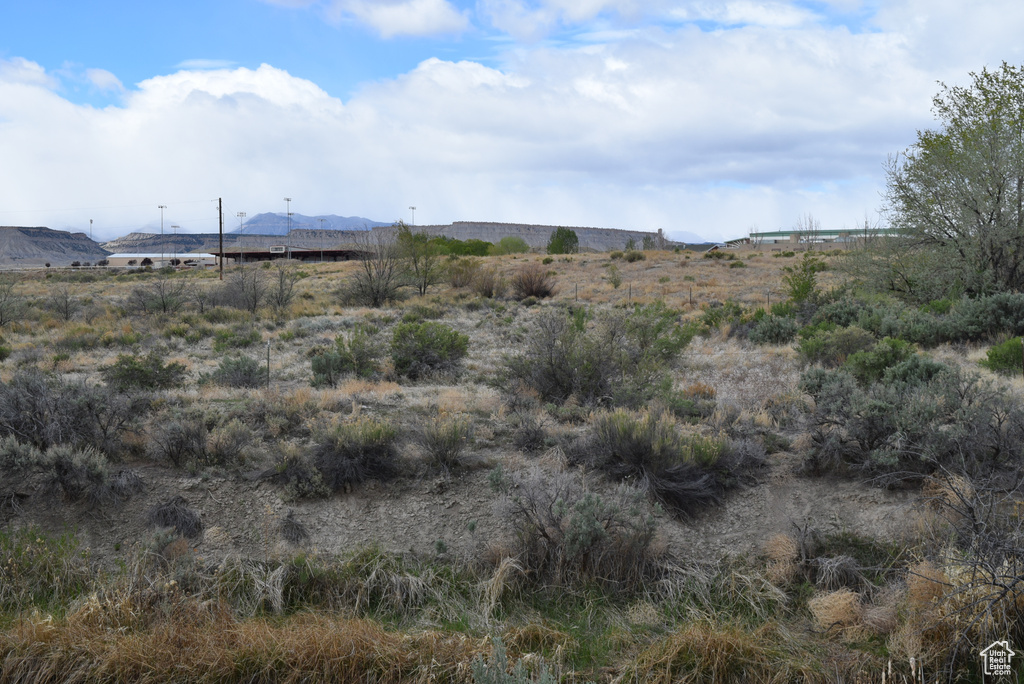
<point x="161" y="207"/>
<point x="241" y="228"/>
<point x="322" y="239"/>
<point x="90" y="229"/>
<point x="175" y="257"/>
<point x="288" y="211"/>
<point x="413" y="215"/>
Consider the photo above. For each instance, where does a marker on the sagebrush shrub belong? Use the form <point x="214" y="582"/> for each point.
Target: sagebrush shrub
<point x="917" y="420"/>
<point x="17" y="458"/>
<point x="351" y="453"/>
<point x="240" y="371"/>
<point x="567" y="535"/>
<point x="615" y="358"/>
<point x="44" y="411"/>
<point x="685" y="472"/>
<point x="773" y="330"/>
<point x="419" y="349"/>
<point x="84" y="475"/>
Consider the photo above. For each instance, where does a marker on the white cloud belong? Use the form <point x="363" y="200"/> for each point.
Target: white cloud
<point x="103" y="80"/>
<point x="746" y="12"/>
<point x="658" y="127"/>
<point x="392" y="18"/>
<point x="205" y="64"/>
<point x="20" y="70"/>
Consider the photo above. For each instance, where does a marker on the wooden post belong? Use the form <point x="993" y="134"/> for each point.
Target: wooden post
<point x="268" y="364"/>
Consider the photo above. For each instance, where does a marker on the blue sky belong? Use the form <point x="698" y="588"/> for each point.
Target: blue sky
<point x="688" y="115"/>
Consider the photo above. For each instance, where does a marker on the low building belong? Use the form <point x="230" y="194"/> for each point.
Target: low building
<point x="142" y="260"/>
<point x="800" y="239"/>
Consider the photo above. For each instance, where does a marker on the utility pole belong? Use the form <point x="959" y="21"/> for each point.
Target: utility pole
<point x="413" y="209"/>
<point x="90" y="229"/>
<point x="288" y="211"/>
<point x="161" y="207"/>
<point x="220" y="221"/>
<point x="241" y="229"/>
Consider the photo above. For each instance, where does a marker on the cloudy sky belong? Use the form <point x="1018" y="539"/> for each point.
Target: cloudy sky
<point x="711" y="117"/>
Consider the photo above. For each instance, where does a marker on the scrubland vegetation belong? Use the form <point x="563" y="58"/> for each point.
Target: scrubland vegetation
<point x="595" y="403"/>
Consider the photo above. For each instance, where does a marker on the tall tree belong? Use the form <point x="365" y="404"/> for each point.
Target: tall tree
<point x="957" y="195"/>
<point x="422" y="257"/>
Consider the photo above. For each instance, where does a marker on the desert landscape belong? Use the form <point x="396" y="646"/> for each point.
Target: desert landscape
<point x="635" y="465"/>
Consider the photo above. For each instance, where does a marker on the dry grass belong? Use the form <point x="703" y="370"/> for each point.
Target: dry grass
<point x="838" y="612"/>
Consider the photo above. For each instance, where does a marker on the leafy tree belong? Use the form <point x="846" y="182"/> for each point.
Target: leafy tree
<point x="563" y="241"/>
<point x="510" y="244"/>
<point x="422" y="256"/>
<point x="956" y="197"/>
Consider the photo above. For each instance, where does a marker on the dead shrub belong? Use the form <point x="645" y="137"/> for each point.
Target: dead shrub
<point x="176" y="514"/>
<point x="532" y="280"/>
<point x="838" y="611"/>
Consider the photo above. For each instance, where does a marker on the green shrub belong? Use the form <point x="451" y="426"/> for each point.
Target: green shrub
<point x="240" y="371"/>
<point x="737" y="264"/>
<point x="801" y="280"/>
<point x="617" y="358"/>
<point x="715" y="314"/>
<point x="358" y="354"/>
<point x="773" y="330"/>
<point x="616" y="254"/>
<point x="419" y="349"/>
<point x="634" y="255"/>
<point x="510" y="245"/>
<point x="239" y="337"/>
<point x="831" y="347"/>
<point x="869" y="366"/>
<point x="351" y="453"/>
<point x="1007" y="357"/>
<point x="143" y="372"/>
<point x="5" y="352"/>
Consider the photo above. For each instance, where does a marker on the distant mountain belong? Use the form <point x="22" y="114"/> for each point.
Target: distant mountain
<point x="277" y="224"/>
<point x="34" y="246"/>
